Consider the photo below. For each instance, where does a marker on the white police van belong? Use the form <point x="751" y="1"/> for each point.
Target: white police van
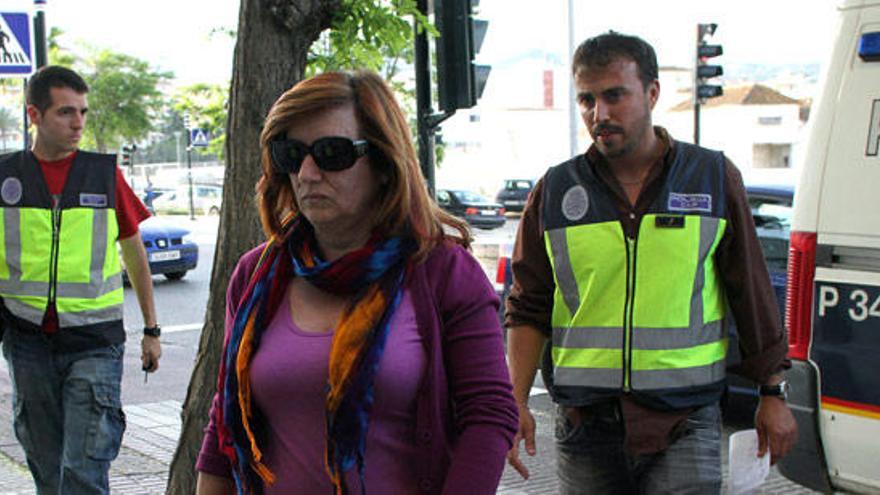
<point x="833" y="296"/>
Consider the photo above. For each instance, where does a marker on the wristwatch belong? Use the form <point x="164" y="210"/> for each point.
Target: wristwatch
<point x="779" y="390"/>
<point x="153" y="331"/>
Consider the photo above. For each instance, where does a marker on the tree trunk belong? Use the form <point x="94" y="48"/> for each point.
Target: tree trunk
<point x="274" y="37"/>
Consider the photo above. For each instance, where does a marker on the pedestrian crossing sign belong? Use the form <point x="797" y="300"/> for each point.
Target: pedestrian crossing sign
<point x="198" y="138"/>
<point x="16" y="58"/>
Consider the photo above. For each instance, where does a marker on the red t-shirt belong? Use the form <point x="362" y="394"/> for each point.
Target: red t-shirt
<point x="130" y="211"/>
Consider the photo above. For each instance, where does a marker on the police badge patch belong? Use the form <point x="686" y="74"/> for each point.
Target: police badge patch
<point x="10" y="191"/>
<point x="575" y="203"/>
<point x="689" y="202"/>
<point x="93" y="200"/>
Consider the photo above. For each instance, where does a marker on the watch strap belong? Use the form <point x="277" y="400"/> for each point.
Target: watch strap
<point x="778" y="390"/>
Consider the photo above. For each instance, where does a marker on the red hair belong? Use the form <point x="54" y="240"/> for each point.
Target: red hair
<point x="404" y="205"/>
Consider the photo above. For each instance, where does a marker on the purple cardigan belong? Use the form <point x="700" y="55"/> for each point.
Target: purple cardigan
<point x="466" y="416"/>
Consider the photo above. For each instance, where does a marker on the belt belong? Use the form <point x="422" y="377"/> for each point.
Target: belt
<point x="606" y="411"/>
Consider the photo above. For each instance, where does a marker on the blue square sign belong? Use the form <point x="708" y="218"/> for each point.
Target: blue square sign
<point x="198" y="138"/>
<point x="16" y="57"/>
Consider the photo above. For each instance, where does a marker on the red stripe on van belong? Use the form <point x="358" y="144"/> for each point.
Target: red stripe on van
<point x="845" y="406"/>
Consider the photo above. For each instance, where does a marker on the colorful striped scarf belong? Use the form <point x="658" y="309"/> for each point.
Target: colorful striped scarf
<point x="372" y="277"/>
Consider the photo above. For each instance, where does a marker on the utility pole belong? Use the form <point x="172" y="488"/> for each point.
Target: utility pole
<point x="128" y="159"/>
<point x="189" y="175"/>
<point x="460" y="81"/>
<point x="703" y="71"/>
<point x="572" y="97"/>
<point x="40" y="59"/>
<point x="424" y="109"/>
<point x="41" y="51"/>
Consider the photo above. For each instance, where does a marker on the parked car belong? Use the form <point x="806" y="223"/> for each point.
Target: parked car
<point x="170" y="249"/>
<point x="514" y="194"/>
<point x="151" y="193"/>
<point x="478" y="211"/>
<point x="771" y="207"/>
<point x="206" y="200"/>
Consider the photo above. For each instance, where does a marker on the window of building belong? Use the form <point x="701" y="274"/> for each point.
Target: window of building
<point x="771" y="155"/>
<point x="770" y="120"/>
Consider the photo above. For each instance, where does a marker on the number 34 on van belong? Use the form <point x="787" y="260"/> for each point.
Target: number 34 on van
<point x="858" y="302"/>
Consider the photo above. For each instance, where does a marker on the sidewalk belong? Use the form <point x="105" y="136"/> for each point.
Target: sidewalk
<point x="153" y="429"/>
<point x="142" y="466"/>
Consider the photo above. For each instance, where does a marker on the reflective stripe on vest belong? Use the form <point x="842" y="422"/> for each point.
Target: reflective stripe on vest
<point x="88" y="281"/>
<point x="641" y="315"/>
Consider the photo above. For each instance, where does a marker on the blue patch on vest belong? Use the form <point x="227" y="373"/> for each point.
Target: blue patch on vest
<point x="93" y="200"/>
<point x="690" y="202"/>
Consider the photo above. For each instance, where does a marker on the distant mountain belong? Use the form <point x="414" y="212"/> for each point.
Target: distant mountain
<point x="761" y="72"/>
<point x="535" y="55"/>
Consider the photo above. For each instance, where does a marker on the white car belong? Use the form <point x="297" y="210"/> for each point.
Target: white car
<point x="206" y="200"/>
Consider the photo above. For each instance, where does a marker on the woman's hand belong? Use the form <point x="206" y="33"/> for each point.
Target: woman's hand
<point x="209" y="484"/>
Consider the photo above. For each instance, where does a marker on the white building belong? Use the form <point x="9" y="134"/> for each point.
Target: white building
<point x="758" y="128"/>
<point x="521" y="126"/>
<point x="518" y="130"/>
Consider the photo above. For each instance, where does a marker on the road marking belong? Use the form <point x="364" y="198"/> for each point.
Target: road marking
<point x="537" y="391"/>
<point x="182" y="328"/>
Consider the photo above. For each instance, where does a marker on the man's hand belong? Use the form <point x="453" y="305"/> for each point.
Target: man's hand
<point x="151" y="351"/>
<point x="777" y="429"/>
<point x="526" y="432"/>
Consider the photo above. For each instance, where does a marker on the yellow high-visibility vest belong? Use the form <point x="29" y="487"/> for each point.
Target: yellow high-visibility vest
<point x="60" y="251"/>
<point x="642" y="315"/>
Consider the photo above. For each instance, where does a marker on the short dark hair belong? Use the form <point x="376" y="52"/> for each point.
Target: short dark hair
<point x="52" y="76"/>
<point x="599" y="51"/>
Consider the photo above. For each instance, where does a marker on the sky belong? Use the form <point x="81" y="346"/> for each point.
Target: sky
<point x="751" y="31"/>
<point x="176" y="35"/>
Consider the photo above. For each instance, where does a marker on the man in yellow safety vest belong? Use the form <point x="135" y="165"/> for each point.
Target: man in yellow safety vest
<point x="63" y="211"/>
<point x="627" y="260"/>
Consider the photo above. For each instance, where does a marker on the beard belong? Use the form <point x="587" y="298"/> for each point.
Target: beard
<point x="630" y="140"/>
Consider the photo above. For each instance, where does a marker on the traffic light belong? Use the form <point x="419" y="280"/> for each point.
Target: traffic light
<point x="704" y="71"/>
<point x="460" y="82"/>
<point x="127" y="153"/>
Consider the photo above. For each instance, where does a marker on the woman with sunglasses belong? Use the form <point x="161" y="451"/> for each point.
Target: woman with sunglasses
<point x="363" y="351"/>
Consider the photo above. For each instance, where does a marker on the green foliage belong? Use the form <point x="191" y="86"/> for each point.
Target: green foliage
<point x="59" y="55"/>
<point x="124" y="98"/>
<point x="376" y="35"/>
<point x="368" y="34"/>
<point x="208" y="105"/>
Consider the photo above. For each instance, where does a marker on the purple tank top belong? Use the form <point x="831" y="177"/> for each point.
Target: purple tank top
<point x="289" y="380"/>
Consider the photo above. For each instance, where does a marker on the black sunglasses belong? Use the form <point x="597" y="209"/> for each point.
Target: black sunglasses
<point x="331" y="154"/>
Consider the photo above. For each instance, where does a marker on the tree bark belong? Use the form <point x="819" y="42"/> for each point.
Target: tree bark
<point x="270" y="56"/>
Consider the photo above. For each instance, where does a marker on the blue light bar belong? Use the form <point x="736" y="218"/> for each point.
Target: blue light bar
<point x="869" y="47"/>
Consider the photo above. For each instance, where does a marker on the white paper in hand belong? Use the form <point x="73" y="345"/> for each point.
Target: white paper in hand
<point x="747" y="470"/>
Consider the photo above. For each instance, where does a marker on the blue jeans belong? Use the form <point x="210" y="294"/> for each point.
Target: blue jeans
<point x="68" y="413"/>
<point x="592" y="458"/>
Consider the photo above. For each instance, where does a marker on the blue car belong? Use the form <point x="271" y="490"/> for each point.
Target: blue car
<point x="170" y="249"/>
